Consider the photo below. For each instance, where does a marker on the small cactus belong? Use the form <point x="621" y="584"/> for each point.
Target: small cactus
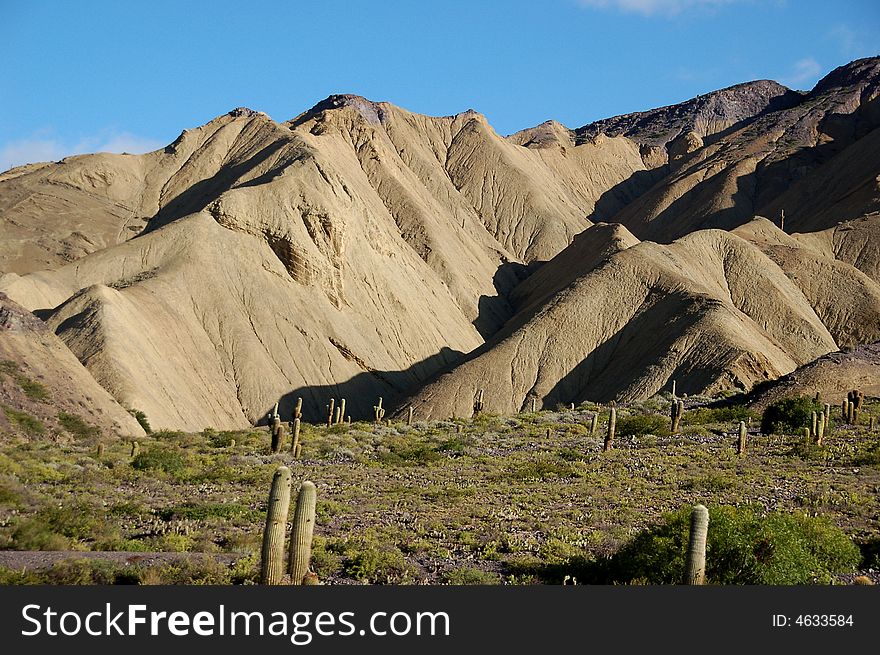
<point x="100" y="450"/>
<point x="297" y="453"/>
<point x="844" y="411"/>
<point x="612" y="426"/>
<point x="534" y="405"/>
<point x="741" y="443"/>
<point x="337" y="417"/>
<point x="594" y="424"/>
<point x="272" y="559"/>
<point x="549" y="432"/>
<point x="379" y="411"/>
<point x="311" y="578"/>
<point x="872" y="422"/>
<point x="301" y="537"/>
<point x="695" y="568"/>
<point x="409" y="419"/>
<point x="135" y="449"/>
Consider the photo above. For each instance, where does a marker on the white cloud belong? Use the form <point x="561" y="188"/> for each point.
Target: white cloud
<point x="852" y="42"/>
<point x="653" y="7"/>
<point x="42" y="146"/>
<point x="804" y="74"/>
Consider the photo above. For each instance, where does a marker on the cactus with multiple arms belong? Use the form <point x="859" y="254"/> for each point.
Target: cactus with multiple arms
<point x="379" y="411"/>
<point x="677" y="411"/>
<point x="478" y="402"/>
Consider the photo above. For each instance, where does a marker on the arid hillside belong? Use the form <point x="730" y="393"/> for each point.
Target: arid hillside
<point x="359" y="250"/>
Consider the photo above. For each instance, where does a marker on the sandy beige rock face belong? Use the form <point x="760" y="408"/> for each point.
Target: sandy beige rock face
<point x="359" y="250"/>
<point x="29" y="349"/>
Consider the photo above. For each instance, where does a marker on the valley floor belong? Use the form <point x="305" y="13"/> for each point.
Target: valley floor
<point x="521" y="499"/>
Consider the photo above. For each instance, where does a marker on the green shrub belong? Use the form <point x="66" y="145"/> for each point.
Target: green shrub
<point x="76" y="426"/>
<point x="371" y="560"/>
<point x="731" y="414"/>
<point x="159" y="459"/>
<point x="469" y="576"/>
<point x="28" y="424"/>
<point x="637" y="426"/>
<point x="789" y="415"/>
<point x="743" y="548"/>
<point x="142" y="419"/>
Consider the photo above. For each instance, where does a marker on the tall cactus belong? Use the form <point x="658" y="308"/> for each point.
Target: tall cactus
<point x="330" y="408"/>
<point x="298" y="410"/>
<point x="673" y="389"/>
<point x="534" y="405"/>
<point x="820" y="432"/>
<point x="341" y="416"/>
<point x="612" y="426"/>
<point x="297" y="425"/>
<point x="409" y="419"/>
<point x="814" y="424"/>
<point x="695" y="568"/>
<point x="594" y="424"/>
<point x="135" y="449"/>
<point x="741" y="443"/>
<point x="301" y="537"/>
<point x="379" y="411"/>
<point x="272" y="560"/>
<point x="844" y="410"/>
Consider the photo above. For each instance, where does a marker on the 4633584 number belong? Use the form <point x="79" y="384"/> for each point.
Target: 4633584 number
<point x="824" y="620"/>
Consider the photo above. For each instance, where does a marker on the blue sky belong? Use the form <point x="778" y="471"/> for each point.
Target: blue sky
<point x="126" y="76"/>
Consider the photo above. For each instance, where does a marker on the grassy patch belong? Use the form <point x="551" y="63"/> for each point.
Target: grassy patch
<point x="75" y="425"/>
<point x="28" y="424"/>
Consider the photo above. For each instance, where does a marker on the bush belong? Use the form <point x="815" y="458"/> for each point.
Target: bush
<point x="637" y="426"/>
<point x="789" y="415"/>
<point x="142" y="419"/>
<point x="743" y="548"/>
<point x="159" y="459"/>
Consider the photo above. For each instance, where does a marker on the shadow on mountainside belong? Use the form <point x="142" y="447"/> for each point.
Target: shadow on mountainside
<point x="495" y="311"/>
<point x="204" y="192"/>
<point x="363" y="390"/>
<point x="618" y="362"/>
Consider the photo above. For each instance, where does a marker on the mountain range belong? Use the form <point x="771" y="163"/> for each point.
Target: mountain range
<point x="359" y="250"/>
